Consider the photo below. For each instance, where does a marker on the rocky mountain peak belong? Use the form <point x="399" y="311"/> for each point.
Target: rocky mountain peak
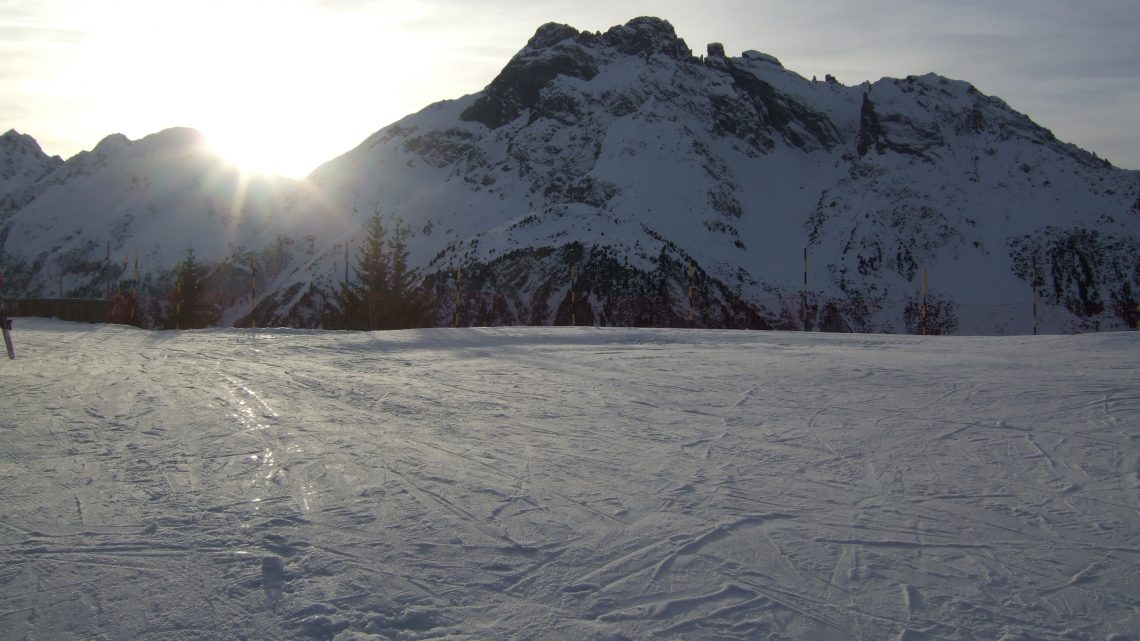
<point x="561" y="50"/>
<point x="646" y="36"/>
<point x="13" y="139"/>
<point x="553" y="51"/>
<point x="551" y="34"/>
<point x="112" y="143"/>
<point x="16" y="144"/>
<point x="22" y="161"/>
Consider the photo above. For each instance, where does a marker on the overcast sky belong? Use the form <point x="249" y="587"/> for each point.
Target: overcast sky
<point x="289" y="84"/>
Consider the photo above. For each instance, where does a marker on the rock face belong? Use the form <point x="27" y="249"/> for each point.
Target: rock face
<point x="615" y="178"/>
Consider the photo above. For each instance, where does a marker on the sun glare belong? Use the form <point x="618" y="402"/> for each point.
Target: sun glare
<point x="260" y="150"/>
<point x="276" y="87"/>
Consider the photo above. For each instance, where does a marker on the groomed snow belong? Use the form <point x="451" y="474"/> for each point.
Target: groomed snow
<point x="539" y="483"/>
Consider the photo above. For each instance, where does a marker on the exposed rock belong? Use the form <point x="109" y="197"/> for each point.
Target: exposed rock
<point x="647" y="36"/>
<point x="781" y="112"/>
<point x="755" y="56"/>
<point x="517" y="86"/>
<point x="550" y="34"/>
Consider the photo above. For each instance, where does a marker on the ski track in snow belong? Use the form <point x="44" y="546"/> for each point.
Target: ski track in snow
<point x="567" y="484"/>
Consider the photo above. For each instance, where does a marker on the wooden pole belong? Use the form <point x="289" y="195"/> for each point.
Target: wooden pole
<point x="924" y="301"/>
<point x="135" y="288"/>
<point x="458" y="276"/>
<point x="344" y="312"/>
<point x="805" y="302"/>
<point x="692" y="317"/>
<point x="253" y="289"/>
<point x="1033" y="287"/>
<point x="573" y="296"/>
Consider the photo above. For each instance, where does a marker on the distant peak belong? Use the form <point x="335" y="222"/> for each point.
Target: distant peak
<point x="15" y="138"/>
<point x="551" y="34"/>
<point x="112" y="142"/>
<point x="176" y="137"/>
<point x="757" y="56"/>
<point x="647" y="36"/>
<point x="639" y="37"/>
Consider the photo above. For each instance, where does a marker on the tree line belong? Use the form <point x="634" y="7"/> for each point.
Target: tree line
<point x="384" y="293"/>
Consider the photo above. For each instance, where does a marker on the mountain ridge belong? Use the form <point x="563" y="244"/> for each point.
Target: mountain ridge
<point x="648" y="172"/>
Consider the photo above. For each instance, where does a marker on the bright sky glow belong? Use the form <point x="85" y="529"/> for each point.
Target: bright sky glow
<point x="284" y="85"/>
<point x="270" y="84"/>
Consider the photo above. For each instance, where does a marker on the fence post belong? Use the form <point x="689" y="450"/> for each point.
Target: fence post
<point x="135" y="288"/>
<point x="573" y="296"/>
<point x="924" y="301"/>
<point x="344" y="310"/>
<point x="253" y="289"/>
<point x="805" y="306"/>
<point x="458" y="273"/>
<point x="1033" y="286"/>
<point x="692" y="317"/>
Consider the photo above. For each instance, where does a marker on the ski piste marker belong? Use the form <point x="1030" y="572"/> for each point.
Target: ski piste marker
<point x="6" y="323"/>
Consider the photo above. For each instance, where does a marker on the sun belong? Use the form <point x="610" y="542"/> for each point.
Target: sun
<point x="261" y="149"/>
<point x="276" y="86"/>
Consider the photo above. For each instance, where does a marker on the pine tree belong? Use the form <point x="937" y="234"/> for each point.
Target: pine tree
<point x="386" y="292"/>
<point x="189" y="308"/>
<point x="408" y="301"/>
<point x="367" y="298"/>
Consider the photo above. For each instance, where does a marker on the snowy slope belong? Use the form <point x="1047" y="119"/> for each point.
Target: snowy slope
<point x="567" y="484"/>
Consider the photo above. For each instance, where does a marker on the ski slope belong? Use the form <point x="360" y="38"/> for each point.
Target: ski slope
<point x="594" y="484"/>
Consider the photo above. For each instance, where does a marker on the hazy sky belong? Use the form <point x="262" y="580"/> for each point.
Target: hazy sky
<point x="289" y="84"/>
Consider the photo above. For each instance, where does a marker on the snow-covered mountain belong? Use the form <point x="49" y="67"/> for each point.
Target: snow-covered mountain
<point x="22" y="163"/>
<point x="616" y="178"/>
<point x="142" y="204"/>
